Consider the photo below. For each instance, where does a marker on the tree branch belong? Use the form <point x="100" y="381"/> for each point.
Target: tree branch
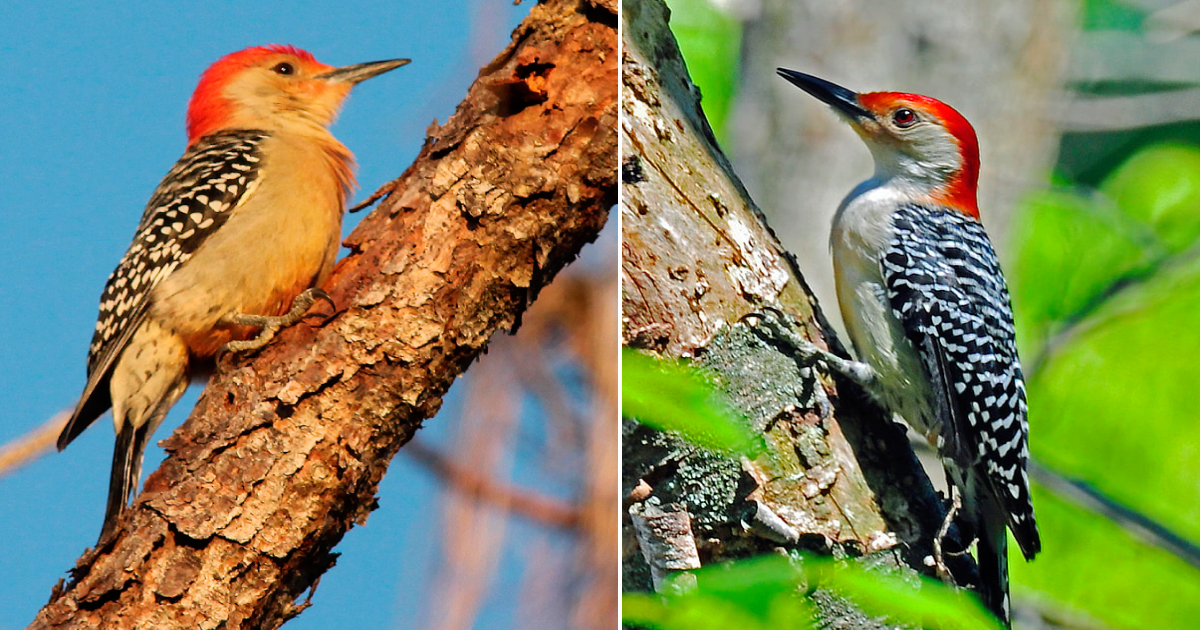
<point x="33" y="444"/>
<point x="505" y="497"/>
<point x="285" y="449"/>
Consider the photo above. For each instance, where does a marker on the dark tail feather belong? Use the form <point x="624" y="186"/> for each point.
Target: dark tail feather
<point x="992" y="558"/>
<point x="126" y="469"/>
<point x="94" y="402"/>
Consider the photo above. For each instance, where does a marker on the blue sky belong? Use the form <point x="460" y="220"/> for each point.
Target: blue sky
<point x="93" y="116"/>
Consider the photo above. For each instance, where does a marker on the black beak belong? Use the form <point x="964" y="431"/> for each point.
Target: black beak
<point x="360" y="72"/>
<point x="842" y="100"/>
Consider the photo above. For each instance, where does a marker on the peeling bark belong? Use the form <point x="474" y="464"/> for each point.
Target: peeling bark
<point x="665" y="540"/>
<point x="838" y="475"/>
<point x="285" y="450"/>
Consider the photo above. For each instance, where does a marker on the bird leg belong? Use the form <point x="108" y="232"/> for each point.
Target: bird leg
<point x="939" y="556"/>
<point x="270" y="325"/>
<point x="775" y="326"/>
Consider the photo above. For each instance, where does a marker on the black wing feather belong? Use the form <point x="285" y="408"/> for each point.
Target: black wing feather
<point x="192" y="202"/>
<point x="945" y="285"/>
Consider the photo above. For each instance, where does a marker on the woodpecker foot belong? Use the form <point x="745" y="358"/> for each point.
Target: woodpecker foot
<point x="270" y="325"/>
<point x="939" y="555"/>
<point x="775" y="326"/>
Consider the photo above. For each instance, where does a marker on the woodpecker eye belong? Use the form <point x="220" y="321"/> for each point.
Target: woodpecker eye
<point x="904" y="117"/>
<point x="283" y="68"/>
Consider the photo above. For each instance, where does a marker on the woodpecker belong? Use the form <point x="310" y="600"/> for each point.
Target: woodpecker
<point x="928" y="313"/>
<point x="239" y="236"/>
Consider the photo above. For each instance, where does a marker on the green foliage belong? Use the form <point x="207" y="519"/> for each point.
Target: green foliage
<point x="671" y="396"/>
<point x="765" y="593"/>
<point x="1160" y="187"/>
<point x="1116" y="404"/>
<point x="1057" y="231"/>
<point x="1111" y="15"/>
<point x="710" y="42"/>
<point x="1107" y="297"/>
<point x="756" y="594"/>
<point x="1094" y="569"/>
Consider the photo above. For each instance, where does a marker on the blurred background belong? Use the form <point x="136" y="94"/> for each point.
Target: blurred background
<point x="498" y="515"/>
<point x="1088" y="114"/>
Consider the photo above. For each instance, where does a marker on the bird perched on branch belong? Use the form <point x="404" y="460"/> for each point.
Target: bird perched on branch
<point x="928" y="312"/>
<point x="233" y="245"/>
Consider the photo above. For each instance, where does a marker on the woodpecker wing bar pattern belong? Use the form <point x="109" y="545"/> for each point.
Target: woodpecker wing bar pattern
<point x="204" y="186"/>
<point x="972" y="333"/>
<point x="193" y="201"/>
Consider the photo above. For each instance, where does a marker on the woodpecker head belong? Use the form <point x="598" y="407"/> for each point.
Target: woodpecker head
<point x="916" y="140"/>
<point x="274" y="88"/>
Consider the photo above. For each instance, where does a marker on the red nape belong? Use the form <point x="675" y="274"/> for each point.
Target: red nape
<point x="961" y="191"/>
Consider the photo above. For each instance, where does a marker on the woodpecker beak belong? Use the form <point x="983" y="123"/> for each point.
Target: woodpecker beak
<point x="360" y="72"/>
<point x="843" y="101"/>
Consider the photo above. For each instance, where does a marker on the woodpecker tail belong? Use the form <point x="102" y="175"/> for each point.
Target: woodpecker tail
<point x="126" y="470"/>
<point x="981" y="517"/>
<point x="992" y="558"/>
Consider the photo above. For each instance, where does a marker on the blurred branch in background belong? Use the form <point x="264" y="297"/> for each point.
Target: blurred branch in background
<point x="1149" y="531"/>
<point x="33" y="444"/>
<point x="536" y="440"/>
<point x="473" y="529"/>
<point x="1133" y="67"/>
<point x="464" y="480"/>
<point x="1112" y="113"/>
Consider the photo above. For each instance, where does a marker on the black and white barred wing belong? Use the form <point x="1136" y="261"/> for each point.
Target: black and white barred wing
<point x="192" y="202"/>
<point x="945" y="285"/>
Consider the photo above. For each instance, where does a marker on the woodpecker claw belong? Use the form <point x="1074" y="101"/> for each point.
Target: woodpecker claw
<point x="780" y="326"/>
<point x="775" y="326"/>
<point x="271" y="325"/>
<point x="319" y="294"/>
<point x="939" y="555"/>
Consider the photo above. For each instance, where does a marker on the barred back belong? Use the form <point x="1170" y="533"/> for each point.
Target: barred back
<point x="944" y="284"/>
<point x="192" y="202"/>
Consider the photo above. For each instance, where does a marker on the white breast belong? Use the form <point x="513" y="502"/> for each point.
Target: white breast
<point x="862" y="233"/>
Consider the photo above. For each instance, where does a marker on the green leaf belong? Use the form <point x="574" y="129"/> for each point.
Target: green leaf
<point x="755" y="583"/>
<point x="765" y="592"/>
<point x="1110" y="14"/>
<point x="1070" y="250"/>
<point x="758" y="593"/>
<point x="925" y="602"/>
<point x="686" y="613"/>
<point x="711" y="44"/>
<point x="1102" y="573"/>
<point x="670" y="396"/>
<point x="1116" y="407"/>
<point x="1160" y="187"/>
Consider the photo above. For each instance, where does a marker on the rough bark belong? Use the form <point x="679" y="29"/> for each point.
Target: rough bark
<point x="285" y="450"/>
<point x="697" y="257"/>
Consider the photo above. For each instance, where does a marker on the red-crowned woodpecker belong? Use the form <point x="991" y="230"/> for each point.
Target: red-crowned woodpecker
<point x="237" y="238"/>
<point x="928" y="312"/>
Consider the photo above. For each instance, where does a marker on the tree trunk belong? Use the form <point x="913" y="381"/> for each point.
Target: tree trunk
<point x="285" y="450"/>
